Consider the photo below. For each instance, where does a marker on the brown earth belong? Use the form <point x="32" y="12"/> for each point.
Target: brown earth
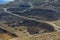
<point x="5" y="36"/>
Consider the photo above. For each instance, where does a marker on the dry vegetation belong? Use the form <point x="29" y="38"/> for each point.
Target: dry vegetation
<point x="30" y="30"/>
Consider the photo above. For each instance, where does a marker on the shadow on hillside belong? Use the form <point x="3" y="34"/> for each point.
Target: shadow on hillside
<point x="41" y="14"/>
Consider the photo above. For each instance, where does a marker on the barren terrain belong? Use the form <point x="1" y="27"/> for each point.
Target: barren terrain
<point x="32" y="21"/>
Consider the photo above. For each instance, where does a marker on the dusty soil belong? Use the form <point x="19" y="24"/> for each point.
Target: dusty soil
<point x="5" y="36"/>
<point x="49" y="36"/>
<point x="24" y="35"/>
<point x="46" y="36"/>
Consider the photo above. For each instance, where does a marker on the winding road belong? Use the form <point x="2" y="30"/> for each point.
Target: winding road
<point x="17" y="32"/>
<point x="55" y="26"/>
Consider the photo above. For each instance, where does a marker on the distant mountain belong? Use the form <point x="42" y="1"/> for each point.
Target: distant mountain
<point x="10" y="4"/>
<point x="14" y="4"/>
<point x="5" y="1"/>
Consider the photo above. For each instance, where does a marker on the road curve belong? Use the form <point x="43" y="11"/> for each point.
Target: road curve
<point x="49" y="23"/>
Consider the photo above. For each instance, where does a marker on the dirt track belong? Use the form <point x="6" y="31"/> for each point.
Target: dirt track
<point x="55" y="26"/>
<point x="37" y="37"/>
